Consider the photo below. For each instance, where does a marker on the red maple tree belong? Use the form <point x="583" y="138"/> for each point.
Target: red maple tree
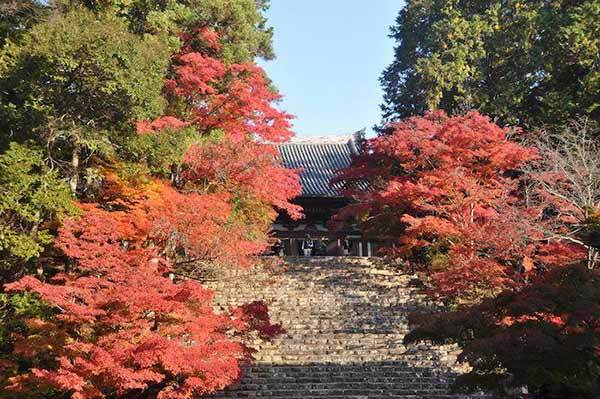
<point x="121" y="325"/>
<point x="235" y="102"/>
<point x="246" y="169"/>
<point x="545" y="336"/>
<point x="235" y="98"/>
<point x="448" y="193"/>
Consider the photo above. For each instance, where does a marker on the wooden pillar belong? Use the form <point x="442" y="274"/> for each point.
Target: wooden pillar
<point x="287" y="247"/>
<point x="360" y="248"/>
<point x="369" y="249"/>
<point x="294" y="247"/>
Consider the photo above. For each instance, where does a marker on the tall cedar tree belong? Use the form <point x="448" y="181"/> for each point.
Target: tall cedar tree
<point x="528" y="63"/>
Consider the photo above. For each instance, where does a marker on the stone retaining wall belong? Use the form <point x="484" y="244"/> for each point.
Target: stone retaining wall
<point x="345" y="319"/>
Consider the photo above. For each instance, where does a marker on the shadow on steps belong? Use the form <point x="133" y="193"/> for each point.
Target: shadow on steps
<point x="370" y="380"/>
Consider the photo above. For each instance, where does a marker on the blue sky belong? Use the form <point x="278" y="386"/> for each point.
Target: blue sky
<point x="330" y="54"/>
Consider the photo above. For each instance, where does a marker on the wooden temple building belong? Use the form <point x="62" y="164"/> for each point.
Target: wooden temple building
<point x="319" y="161"/>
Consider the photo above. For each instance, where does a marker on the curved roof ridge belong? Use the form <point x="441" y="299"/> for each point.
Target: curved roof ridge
<point x="339" y="139"/>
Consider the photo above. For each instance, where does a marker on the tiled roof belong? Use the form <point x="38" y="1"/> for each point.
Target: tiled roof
<point x="319" y="161"/>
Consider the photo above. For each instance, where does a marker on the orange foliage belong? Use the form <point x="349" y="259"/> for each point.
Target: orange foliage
<point x="121" y="324"/>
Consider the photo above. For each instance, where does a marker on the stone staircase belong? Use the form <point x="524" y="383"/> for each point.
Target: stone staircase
<point x="345" y="319"/>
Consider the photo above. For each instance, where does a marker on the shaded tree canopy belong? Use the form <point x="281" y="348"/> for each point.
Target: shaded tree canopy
<point x="80" y="72"/>
<point x="242" y="24"/>
<point x="544" y="337"/>
<point x="16" y="16"/>
<point x="33" y="201"/>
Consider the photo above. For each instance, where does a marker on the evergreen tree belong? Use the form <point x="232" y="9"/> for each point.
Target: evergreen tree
<point x="527" y="63"/>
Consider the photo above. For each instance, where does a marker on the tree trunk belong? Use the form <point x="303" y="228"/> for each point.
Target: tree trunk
<point x="74" y="180"/>
<point x="592" y="258"/>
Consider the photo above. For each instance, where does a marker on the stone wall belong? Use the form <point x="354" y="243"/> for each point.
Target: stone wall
<point x="345" y="319"/>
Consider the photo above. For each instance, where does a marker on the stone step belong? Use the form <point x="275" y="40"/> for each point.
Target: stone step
<point x="345" y="320"/>
<point x="372" y="380"/>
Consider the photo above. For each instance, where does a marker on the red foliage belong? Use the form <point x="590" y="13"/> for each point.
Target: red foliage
<point x="447" y="190"/>
<point x="201" y="227"/>
<point x="545" y="336"/>
<point x="163" y="122"/>
<point x="210" y="37"/>
<point x="197" y="75"/>
<point x="245" y="108"/>
<point x="121" y="325"/>
<point x="202" y="39"/>
<point x="246" y="169"/>
<point x="237" y="101"/>
<point x="235" y="98"/>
